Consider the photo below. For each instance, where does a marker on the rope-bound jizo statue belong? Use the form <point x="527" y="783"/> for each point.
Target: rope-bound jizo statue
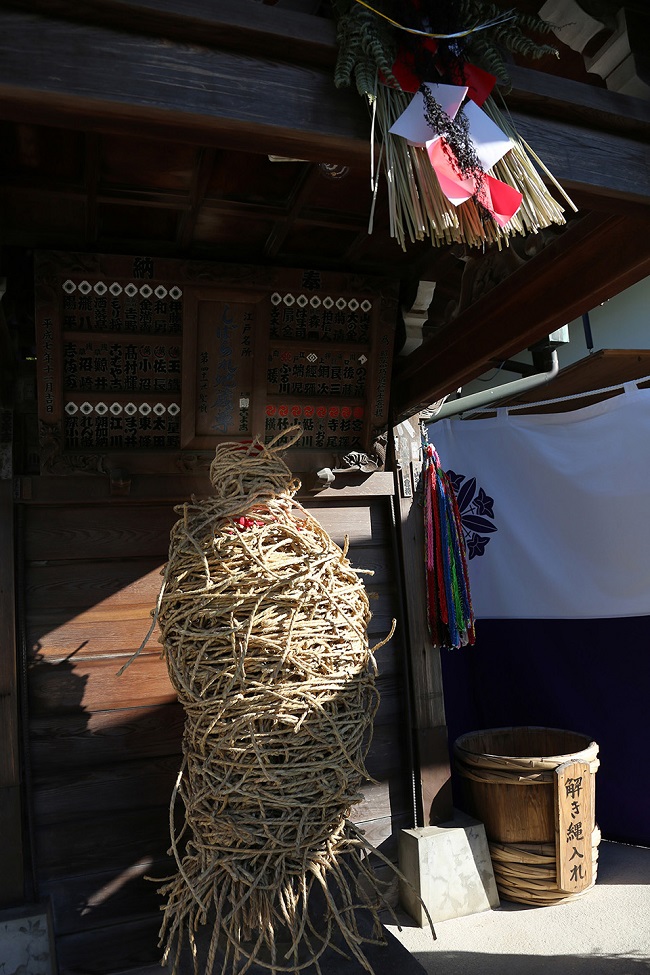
<point x="263" y="623"/>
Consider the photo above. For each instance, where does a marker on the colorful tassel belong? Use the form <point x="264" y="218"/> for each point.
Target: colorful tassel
<point x="449" y="604"/>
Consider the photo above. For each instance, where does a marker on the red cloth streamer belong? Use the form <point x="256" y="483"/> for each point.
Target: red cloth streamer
<point x="478" y="82"/>
<point x="403" y="68"/>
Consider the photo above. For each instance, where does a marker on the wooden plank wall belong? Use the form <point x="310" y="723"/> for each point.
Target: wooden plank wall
<point x="104" y="750"/>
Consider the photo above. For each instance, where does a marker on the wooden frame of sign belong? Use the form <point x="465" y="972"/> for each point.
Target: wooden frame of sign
<point x="146" y="364"/>
<point x="574" y="826"/>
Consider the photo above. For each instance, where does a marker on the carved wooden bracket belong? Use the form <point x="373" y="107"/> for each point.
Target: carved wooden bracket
<point x="483" y="272"/>
<point x="621" y="61"/>
<point x="415" y="317"/>
<point x="573" y="25"/>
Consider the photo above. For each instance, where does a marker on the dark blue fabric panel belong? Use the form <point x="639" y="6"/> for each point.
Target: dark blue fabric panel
<point x="590" y="676"/>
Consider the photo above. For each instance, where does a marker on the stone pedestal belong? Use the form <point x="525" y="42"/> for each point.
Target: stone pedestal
<point x="449" y="866"/>
<point x="26" y="943"/>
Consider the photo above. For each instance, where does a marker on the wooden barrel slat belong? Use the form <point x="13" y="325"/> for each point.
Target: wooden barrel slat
<point x="508" y="776"/>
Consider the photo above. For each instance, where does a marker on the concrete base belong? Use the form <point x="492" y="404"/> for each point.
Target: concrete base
<point x="449" y="866"/>
<point x="26" y="945"/>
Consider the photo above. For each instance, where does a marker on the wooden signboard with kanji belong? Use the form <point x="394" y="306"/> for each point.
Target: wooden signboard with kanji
<point x="574" y="822"/>
<point x="147" y="364"/>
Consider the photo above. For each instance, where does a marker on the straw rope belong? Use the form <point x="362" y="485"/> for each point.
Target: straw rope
<point x="417" y="206"/>
<point x="513" y="776"/>
<point x="513" y="769"/>
<point x="263" y="624"/>
<point x="527" y="872"/>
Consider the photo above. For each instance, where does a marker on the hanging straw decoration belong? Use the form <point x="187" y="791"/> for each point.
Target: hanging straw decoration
<point x="449" y="606"/>
<point x="263" y="623"/>
<point x="389" y="48"/>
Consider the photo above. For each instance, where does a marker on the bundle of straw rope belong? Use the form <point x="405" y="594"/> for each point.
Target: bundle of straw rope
<point x="263" y="625"/>
<point x="417" y="206"/>
<point x="389" y="47"/>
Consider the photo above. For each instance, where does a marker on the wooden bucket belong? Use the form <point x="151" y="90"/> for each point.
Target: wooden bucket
<point x="533" y="789"/>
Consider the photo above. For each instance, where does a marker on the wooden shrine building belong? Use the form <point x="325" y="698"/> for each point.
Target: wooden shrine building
<point x="184" y="203"/>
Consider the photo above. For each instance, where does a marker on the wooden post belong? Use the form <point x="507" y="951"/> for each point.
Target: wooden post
<point x="11" y="840"/>
<point x="433" y="785"/>
<point x="11" y="831"/>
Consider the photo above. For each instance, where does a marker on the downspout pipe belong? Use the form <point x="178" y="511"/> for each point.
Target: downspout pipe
<point x="485" y="397"/>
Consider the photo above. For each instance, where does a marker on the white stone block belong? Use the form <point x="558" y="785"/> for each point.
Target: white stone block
<point x="449" y="866"/>
<point x="26" y="945"/>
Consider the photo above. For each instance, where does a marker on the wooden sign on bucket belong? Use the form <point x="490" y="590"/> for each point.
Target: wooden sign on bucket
<point x="573" y="826"/>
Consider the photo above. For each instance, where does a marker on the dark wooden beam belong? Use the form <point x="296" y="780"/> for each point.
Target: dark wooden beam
<point x="53" y="72"/>
<point x="56" y="72"/>
<point x="594" y="259"/>
<point x="258" y="30"/>
<point x="236" y="25"/>
<point x="550" y="96"/>
<point x="598" y="163"/>
<point x="28" y="187"/>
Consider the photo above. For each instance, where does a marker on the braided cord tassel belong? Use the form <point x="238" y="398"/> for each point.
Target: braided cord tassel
<point x="449" y="605"/>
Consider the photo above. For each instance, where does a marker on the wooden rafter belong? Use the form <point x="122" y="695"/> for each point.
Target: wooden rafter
<point x="200" y="178"/>
<point x="298" y="197"/>
<point x="91" y="158"/>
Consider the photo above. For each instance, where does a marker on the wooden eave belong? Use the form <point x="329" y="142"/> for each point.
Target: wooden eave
<point x="593" y="260"/>
<point x="239" y="75"/>
<point x="99" y="77"/>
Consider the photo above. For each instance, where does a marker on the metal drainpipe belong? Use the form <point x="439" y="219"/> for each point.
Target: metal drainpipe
<point x="475" y="401"/>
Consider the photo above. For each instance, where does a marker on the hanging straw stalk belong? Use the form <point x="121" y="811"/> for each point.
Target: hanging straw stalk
<point x="372" y="38"/>
<point x="263" y="624"/>
<point x="418" y="208"/>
